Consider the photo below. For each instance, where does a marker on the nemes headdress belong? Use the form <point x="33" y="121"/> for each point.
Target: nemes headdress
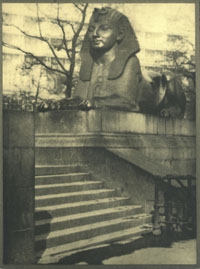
<point x="128" y="46"/>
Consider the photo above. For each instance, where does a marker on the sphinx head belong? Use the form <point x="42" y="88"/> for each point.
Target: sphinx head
<point x="108" y="28"/>
<point x="105" y="29"/>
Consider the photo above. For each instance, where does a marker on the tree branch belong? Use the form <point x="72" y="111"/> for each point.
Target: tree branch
<point x="70" y="48"/>
<point x="35" y="57"/>
<point x="72" y="26"/>
<point x="48" y="43"/>
<point x="77" y="6"/>
<point x="82" y="21"/>
<point x="25" y="33"/>
<point x="38" y="21"/>
<point x="76" y="35"/>
<point x="41" y="38"/>
<point x="63" y="33"/>
<point x="38" y="89"/>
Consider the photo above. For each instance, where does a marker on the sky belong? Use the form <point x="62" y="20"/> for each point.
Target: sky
<point x="163" y="18"/>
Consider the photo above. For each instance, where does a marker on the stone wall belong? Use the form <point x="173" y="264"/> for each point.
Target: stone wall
<point x="128" y="179"/>
<point x="18" y="187"/>
<point x="91" y="138"/>
<point x="167" y="141"/>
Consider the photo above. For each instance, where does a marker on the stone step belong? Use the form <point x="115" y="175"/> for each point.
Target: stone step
<point x="55" y="238"/>
<point x="67" y="187"/>
<point x="53" y="199"/>
<point x="79" y="207"/>
<point x="62" y="178"/>
<point x="69" y="221"/>
<point x="55" y="254"/>
<point x="57" y="169"/>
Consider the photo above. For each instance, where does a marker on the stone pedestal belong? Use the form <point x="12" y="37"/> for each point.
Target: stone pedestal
<point x="126" y="149"/>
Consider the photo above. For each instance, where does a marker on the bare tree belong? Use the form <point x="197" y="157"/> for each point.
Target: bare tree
<point x="179" y="59"/>
<point x="69" y="44"/>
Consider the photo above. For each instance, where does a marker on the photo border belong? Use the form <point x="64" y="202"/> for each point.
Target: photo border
<point x="149" y="266"/>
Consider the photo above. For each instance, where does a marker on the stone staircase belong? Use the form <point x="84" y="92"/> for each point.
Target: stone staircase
<point x="73" y="211"/>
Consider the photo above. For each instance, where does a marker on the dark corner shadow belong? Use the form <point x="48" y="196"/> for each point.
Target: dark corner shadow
<point x="97" y="255"/>
<point x="42" y="230"/>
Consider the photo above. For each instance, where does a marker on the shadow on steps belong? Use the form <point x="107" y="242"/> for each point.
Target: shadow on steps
<point x="39" y="229"/>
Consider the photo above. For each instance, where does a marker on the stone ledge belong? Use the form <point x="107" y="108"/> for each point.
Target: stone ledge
<point x="113" y="140"/>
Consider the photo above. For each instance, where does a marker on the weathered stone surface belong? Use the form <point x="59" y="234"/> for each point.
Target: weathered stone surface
<point x="19" y="248"/>
<point x="114" y="140"/>
<point x="106" y="121"/>
<point x="145" y="124"/>
<point x="185" y="167"/>
<point x="68" y="122"/>
<point x="19" y="166"/>
<point x="128" y="179"/>
<point x="125" y="122"/>
<point x="73" y="155"/>
<point x="18" y="187"/>
<point x="162" y="140"/>
<point x="18" y="129"/>
<point x="19" y="207"/>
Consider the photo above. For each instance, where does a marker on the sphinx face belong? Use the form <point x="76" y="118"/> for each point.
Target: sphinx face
<point x="102" y="35"/>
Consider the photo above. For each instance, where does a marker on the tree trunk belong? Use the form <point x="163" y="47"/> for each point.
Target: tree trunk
<point x="69" y="87"/>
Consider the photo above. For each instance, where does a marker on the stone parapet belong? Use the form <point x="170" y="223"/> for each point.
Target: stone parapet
<point x="105" y="121"/>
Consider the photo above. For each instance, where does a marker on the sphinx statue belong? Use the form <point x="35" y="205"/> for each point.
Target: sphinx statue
<point x="110" y="74"/>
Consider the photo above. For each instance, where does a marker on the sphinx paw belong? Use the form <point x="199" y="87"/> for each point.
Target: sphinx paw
<point x="165" y="112"/>
<point x="87" y="105"/>
<point x="172" y="112"/>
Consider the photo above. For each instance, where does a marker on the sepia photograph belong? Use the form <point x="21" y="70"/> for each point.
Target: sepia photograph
<point x="99" y="133"/>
